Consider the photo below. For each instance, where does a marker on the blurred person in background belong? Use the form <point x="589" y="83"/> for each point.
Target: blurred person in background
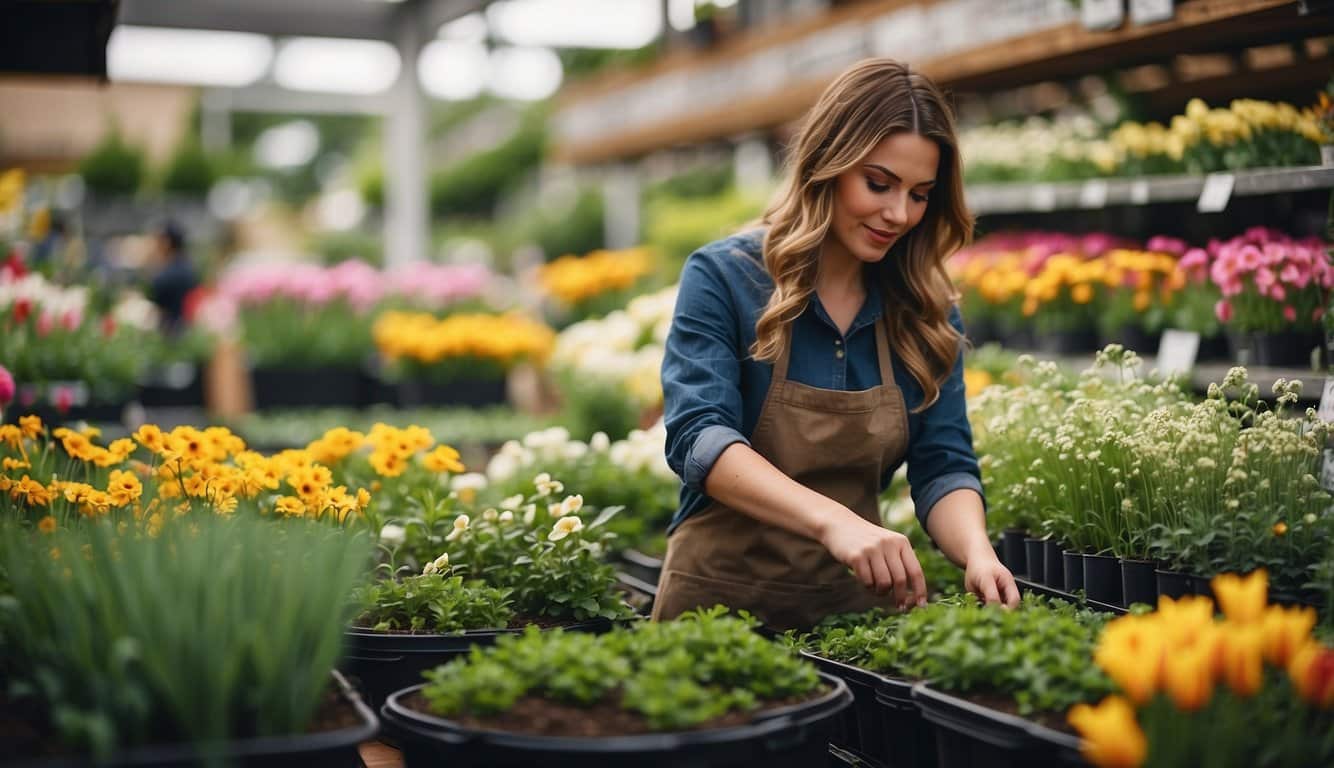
<point x="809" y="358"/>
<point x="177" y="278"/>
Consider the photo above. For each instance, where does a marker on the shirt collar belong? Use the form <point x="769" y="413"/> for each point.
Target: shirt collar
<point x="871" y="310"/>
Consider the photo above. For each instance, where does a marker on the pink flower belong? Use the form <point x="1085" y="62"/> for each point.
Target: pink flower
<point x="1277" y="292"/>
<point x="1165" y="244"/>
<point x="1250" y="258"/>
<point x="1290" y="313"/>
<point x="1264" y="278"/>
<point x="1223" y="310"/>
<point x="1194" y="258"/>
<point x="45" y="324"/>
<point x="6" y="387"/>
<point x="1317" y="314"/>
<point x="63" y="399"/>
<point x="1297" y="277"/>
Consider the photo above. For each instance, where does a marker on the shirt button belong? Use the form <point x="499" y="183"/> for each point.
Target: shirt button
<point x="839" y="354"/>
<point x="838" y="342"/>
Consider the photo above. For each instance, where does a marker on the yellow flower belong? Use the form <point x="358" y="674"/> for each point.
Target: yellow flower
<point x="30" y="491"/>
<point x="1242" y="599"/>
<point x="124" y="488"/>
<point x="1110" y="737"/>
<point x="31" y="426"/>
<point x="121" y="449"/>
<point x="310" y="482"/>
<point x="1280" y="528"/>
<point x="1130" y="652"/>
<point x="47" y="524"/>
<point x="564" y="527"/>
<point x="150" y="437"/>
<point x="1312" y="674"/>
<point x="11" y="464"/>
<point x="289" y="506"/>
<point x="190" y="444"/>
<point x="1285" y="630"/>
<point x="363" y="499"/>
<point x="572" y="279"/>
<point x="12" y="436"/>
<point x="1081" y="293"/>
<point x="1242" y="657"/>
<point x="1188" y="676"/>
<point x="388" y="463"/>
<point x="443" y="459"/>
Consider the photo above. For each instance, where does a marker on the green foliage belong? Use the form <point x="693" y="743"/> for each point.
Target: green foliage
<point x="676" y="674"/>
<point x="219" y="628"/>
<point x="475" y="185"/>
<point x="581" y="230"/>
<point x="461" y="427"/>
<point x="190" y="171"/>
<point x="113" y="167"/>
<point x="353" y="245"/>
<point x="676" y="227"/>
<point x="431" y="602"/>
<point x="292" y="334"/>
<point x="706" y="181"/>
<point x="590" y="406"/>
<point x="1039" y="654"/>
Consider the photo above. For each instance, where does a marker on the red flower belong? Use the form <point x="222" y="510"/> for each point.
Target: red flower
<point x="22" y="309"/>
<point x="45" y="324"/>
<point x="193" y="300"/>
<point x="64" y="400"/>
<point x="108" y="326"/>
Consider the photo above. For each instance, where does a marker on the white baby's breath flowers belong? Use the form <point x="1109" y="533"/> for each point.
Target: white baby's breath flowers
<point x="564" y="527"/>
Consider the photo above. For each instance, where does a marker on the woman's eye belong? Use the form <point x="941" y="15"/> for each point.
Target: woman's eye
<point x="919" y="198"/>
<point x="875" y="186"/>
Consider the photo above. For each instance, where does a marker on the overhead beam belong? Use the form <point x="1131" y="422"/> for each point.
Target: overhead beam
<point x="266" y="97"/>
<point x="352" y="20"/>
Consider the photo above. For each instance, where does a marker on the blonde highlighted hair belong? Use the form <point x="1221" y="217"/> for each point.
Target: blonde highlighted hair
<point x="870" y="101"/>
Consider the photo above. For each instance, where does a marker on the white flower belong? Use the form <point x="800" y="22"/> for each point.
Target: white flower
<point x="470" y="481"/>
<point x="529" y="513"/>
<point x="1310" y="518"/>
<point x="564" y="527"/>
<point x="599" y="442"/>
<point x="430" y="568"/>
<point x="392" y="534"/>
<point x="556" y="510"/>
<point x="571" y="504"/>
<point x="506" y="517"/>
<point x="546" y="486"/>
<point x="490" y="515"/>
<point x="442" y="562"/>
<point x="460" y="525"/>
<point x="512" y="502"/>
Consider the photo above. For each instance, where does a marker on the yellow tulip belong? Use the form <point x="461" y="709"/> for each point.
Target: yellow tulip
<point x="1131" y="652"/>
<point x="1285" y="630"/>
<point x="1312" y="673"/>
<point x="1110" y="737"/>
<point x="1188" y="676"/>
<point x="1082" y="293"/>
<point x="1242" y="599"/>
<point x="1242" y="657"/>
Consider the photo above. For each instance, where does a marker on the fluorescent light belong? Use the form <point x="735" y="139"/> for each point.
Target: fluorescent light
<point x="681" y="14"/>
<point x="187" y="56"/>
<point x="290" y="145"/>
<point x="577" y="23"/>
<point x="332" y="65"/>
<point x="470" y="28"/>
<point x="453" y="70"/>
<point x="525" y="74"/>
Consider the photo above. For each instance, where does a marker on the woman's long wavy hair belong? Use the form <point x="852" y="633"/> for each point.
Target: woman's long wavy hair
<point x="870" y="101"/>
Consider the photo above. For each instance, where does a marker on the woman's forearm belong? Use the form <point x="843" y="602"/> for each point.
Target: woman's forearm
<point x="745" y="481"/>
<point x="957" y="523"/>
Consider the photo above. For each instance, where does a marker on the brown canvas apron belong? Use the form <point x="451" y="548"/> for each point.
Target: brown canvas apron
<point x="834" y="442"/>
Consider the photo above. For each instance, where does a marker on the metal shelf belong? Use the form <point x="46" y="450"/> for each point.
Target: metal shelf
<point x="1093" y="194"/>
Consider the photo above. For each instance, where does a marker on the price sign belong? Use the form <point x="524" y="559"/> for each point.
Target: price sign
<point x="1102" y="14"/>
<point x="1216" y="193"/>
<point x="1139" y="192"/>
<point x="1093" y="194"/>
<point x="1326" y="413"/>
<point x="1150" y="11"/>
<point x="1043" y="197"/>
<point x="1177" y="351"/>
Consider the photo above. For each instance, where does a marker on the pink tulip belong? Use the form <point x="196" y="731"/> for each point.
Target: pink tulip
<point x="1277" y="292"/>
<point x="1290" y="313"/>
<point x="1264" y="278"/>
<point x="6" y="387"/>
<point x="1223" y="311"/>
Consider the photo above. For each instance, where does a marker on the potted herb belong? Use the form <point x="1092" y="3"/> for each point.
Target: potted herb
<point x="207" y="639"/>
<point x="706" y="689"/>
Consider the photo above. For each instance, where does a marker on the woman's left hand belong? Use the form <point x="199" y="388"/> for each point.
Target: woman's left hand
<point x="991" y="581"/>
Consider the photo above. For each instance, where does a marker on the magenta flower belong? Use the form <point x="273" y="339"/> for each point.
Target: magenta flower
<point x="1223" y="310"/>
<point x="6" y="387"/>
<point x="1290" y="313"/>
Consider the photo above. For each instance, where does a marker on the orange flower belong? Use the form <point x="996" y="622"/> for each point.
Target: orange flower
<point x="1131" y="652"/>
<point x="1312" y="673"/>
<point x="1242" y="599"/>
<point x="1110" y="737"/>
<point x="47" y="524"/>
<point x="1188" y="676"/>
<point x="1280" y="528"/>
<point x="150" y="437"/>
<point x="1285" y="630"/>
<point x="1242" y="658"/>
<point x="443" y="459"/>
<point x="31" y="426"/>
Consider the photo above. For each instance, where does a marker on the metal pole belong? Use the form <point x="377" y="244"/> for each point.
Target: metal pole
<point x="406" y="222"/>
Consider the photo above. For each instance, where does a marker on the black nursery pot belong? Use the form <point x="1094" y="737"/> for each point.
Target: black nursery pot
<point x="300" y="387"/>
<point x="380" y="663"/>
<point x="1034" y="549"/>
<point x="1013" y="553"/>
<point x="1138" y="582"/>
<point x="1074" y="570"/>
<point x="1102" y="579"/>
<point x="1067" y="342"/>
<point x="1174" y="585"/>
<point x="1053" y="568"/>
<point x="420" y="393"/>
<point x="334" y="749"/>
<point x="883" y="726"/>
<point x="795" y="736"/>
<point x="1288" y="349"/>
<point x="970" y="735"/>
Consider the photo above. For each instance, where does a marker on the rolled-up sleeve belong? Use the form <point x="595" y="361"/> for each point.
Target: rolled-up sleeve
<point x="701" y="373"/>
<point x="940" y="456"/>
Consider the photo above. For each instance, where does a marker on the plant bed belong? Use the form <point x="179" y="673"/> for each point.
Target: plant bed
<point x="702" y="690"/>
<point x="1027" y="585"/>
<point x="973" y="734"/>
<point x="338" y="726"/>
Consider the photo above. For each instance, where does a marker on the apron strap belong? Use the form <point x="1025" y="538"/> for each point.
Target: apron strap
<point x="882" y="351"/>
<point x="784" y="355"/>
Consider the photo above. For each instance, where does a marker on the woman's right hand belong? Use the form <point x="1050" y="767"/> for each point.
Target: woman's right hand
<point x="882" y="559"/>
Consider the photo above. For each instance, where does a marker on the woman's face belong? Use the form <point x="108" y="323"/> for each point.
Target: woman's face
<point x="877" y="201"/>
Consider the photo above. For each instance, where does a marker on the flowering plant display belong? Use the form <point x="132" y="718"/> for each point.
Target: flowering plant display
<point x="52" y="335"/>
<point x="419" y="345"/>
<point x="1254" y="688"/>
<point x="670" y="675"/>
<point x="1036" y="149"/>
<point x="304" y="314"/>
<point x="1036" y="655"/>
<point x="1268" y="281"/>
<point x="596" y="283"/>
<point x="64" y="478"/>
<point x="100" y="650"/>
<point x="1136" y="469"/>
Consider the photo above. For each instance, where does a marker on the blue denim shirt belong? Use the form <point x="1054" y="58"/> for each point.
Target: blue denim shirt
<point x="713" y="389"/>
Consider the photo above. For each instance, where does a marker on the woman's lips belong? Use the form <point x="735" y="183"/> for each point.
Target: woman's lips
<point x="879" y="236"/>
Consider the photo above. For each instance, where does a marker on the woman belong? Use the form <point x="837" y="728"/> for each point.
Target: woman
<point x="808" y="360"/>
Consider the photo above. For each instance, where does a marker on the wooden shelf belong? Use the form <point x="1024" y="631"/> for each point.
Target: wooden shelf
<point x="1098" y="193"/>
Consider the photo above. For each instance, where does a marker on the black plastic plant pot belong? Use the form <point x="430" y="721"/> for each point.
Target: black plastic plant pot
<point x="1013" y="553"/>
<point x="1074" y="570"/>
<point x="1034" y="549"/>
<point x="379" y="663"/>
<point x="969" y="735"/>
<point x="1067" y="342"/>
<point x="419" y="393"/>
<point x="1174" y="585"/>
<point x="300" y="387"/>
<point x="883" y="726"/>
<point x="1102" y="579"/>
<point x="1138" y="582"/>
<point x="909" y="741"/>
<point x="336" y="748"/>
<point x="1201" y="585"/>
<point x="1053" y="567"/>
<point x="644" y="567"/>
<point x="795" y="736"/>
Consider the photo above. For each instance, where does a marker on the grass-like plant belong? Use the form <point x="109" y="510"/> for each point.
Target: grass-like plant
<point x="215" y="629"/>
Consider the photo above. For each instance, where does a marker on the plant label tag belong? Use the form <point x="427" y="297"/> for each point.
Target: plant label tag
<point x="1177" y="351"/>
<point x="1102" y="14"/>
<point x="1150" y="11"/>
<point x="1327" y="471"/>
<point x="1043" y="197"/>
<point x="1139" y="192"/>
<point x="1217" y="191"/>
<point x="1326" y="411"/>
<point x="1093" y="194"/>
